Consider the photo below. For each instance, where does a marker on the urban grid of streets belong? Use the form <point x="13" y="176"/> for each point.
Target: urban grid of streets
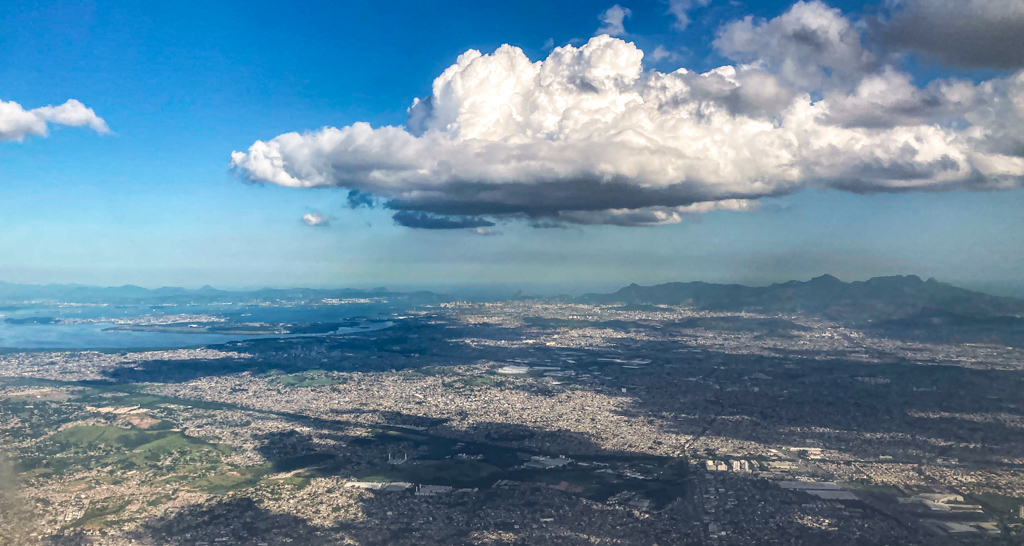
<point x="794" y="430"/>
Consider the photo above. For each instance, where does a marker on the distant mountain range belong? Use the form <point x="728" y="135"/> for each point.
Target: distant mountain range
<point x="13" y="294"/>
<point x="897" y="298"/>
<point x="905" y="307"/>
<point x="900" y="298"/>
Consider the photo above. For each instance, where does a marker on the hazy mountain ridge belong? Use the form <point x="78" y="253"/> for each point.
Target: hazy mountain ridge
<point x="130" y="294"/>
<point x="877" y="299"/>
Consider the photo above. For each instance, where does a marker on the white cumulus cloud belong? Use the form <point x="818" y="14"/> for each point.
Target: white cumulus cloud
<point x="806" y="46"/>
<point x="587" y="136"/>
<point x="16" y="123"/>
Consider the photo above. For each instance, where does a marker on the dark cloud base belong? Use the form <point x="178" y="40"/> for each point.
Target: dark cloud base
<point x="426" y="220"/>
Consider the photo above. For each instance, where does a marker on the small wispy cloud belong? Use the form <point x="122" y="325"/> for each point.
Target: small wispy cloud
<point x="612" y="21"/>
<point x="680" y="9"/>
<point x="660" y="53"/>
<point x="316" y="219"/>
<point x="486" y="232"/>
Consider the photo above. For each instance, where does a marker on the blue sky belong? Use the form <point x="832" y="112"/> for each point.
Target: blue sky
<point x="181" y="85"/>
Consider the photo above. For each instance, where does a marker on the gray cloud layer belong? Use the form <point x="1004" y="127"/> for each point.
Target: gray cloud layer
<point x="426" y="220"/>
<point x="963" y="33"/>
<point x="588" y="136"/>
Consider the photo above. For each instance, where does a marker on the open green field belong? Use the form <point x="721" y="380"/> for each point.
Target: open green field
<point x="1002" y="506"/>
<point x="158" y="442"/>
<point x="96" y="447"/>
<point x="312" y="378"/>
<point x="230" y="479"/>
<point x="97" y="512"/>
